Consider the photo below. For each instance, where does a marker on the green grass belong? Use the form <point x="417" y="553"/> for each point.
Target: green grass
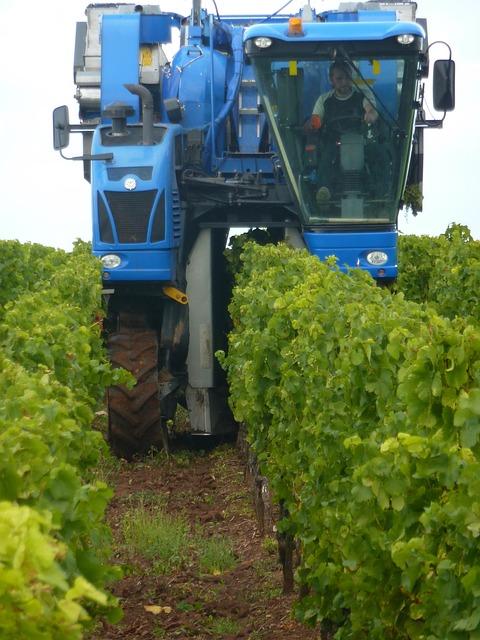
<point x="270" y="545"/>
<point x="105" y="470"/>
<point x="146" y="498"/>
<point x="156" y="536"/>
<point x="188" y="606"/>
<point x="215" y="555"/>
<point x="224" y="626"/>
<point x="181" y="459"/>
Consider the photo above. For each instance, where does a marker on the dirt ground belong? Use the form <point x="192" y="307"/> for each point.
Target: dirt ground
<point x="208" y="489"/>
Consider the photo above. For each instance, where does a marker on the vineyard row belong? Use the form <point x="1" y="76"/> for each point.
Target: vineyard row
<point x="53" y="540"/>
<point x="363" y="409"/>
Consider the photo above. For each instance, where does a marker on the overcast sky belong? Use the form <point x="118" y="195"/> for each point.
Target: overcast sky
<point x="45" y="199"/>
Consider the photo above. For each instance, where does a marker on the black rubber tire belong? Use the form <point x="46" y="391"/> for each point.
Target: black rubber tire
<point x="134" y="415"/>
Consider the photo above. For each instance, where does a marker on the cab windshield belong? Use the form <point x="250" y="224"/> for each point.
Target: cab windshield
<point x="343" y="130"/>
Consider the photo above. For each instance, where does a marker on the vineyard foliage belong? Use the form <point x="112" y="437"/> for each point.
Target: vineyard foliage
<point x="363" y="409"/>
<point x="443" y="271"/>
<point x="53" y="541"/>
<point x="26" y="267"/>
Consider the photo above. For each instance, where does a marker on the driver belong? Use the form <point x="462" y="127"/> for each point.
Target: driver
<point x="337" y="111"/>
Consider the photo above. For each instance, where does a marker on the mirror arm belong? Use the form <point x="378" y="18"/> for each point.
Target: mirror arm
<point x="430" y="124"/>
<point x="81" y="127"/>
<point x="426" y="123"/>
<point x="440" y="42"/>
<point x="75" y="128"/>
<point x="98" y="156"/>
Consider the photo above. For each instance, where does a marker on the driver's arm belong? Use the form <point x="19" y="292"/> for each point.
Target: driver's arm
<point x="371" y="113"/>
<point x="369" y="106"/>
<point x="315" y="122"/>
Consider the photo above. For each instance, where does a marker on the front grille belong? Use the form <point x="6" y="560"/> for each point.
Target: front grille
<point x="131" y="214"/>
<point x="176" y="214"/>
<point x="104" y="226"/>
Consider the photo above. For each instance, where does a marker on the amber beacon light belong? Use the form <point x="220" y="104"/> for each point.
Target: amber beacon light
<point x="295" y="27"/>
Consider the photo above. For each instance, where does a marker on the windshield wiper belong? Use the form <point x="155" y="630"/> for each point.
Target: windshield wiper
<point x="354" y="67"/>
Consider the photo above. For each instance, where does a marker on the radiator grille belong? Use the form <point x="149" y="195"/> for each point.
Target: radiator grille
<point x="176" y="215"/>
<point x="131" y="213"/>
<point x="104" y="226"/>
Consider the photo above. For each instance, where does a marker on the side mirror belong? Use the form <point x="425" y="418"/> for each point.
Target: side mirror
<point x="61" y="128"/>
<point x="444" y="85"/>
<point x="61" y="135"/>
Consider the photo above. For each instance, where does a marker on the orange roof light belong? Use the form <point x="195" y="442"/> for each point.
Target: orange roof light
<point x="295" y="27"/>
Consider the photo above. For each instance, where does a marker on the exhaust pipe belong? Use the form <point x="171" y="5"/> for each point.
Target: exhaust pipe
<point x="147" y="110"/>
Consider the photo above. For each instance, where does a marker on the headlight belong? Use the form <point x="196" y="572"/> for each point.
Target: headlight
<point x="111" y="261"/>
<point x="377" y="258"/>
<point x="405" y="38"/>
<point x="263" y="42"/>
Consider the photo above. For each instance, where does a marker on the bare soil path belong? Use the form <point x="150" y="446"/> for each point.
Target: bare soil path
<point x="233" y="591"/>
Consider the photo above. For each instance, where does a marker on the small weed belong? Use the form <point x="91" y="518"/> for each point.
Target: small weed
<point x="181" y="459"/>
<point x="211" y="593"/>
<point x="188" y="606"/>
<point x="182" y="420"/>
<point x="155" y="458"/>
<point x="147" y="498"/>
<point x="187" y="497"/>
<point x="108" y="465"/>
<point x="269" y="592"/>
<point x="223" y="626"/>
<point x="264" y="566"/>
<point x="185" y="458"/>
<point x="270" y="545"/>
<point x="156" y="536"/>
<point x="182" y="633"/>
<point x="215" y="555"/>
<point x="159" y="632"/>
<point x="208" y="499"/>
<point x="222" y="451"/>
<point x="129" y="569"/>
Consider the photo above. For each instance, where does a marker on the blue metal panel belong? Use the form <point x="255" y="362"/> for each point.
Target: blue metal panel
<point x="120" y="46"/>
<point x="142" y="261"/>
<point x="155" y="28"/>
<point x="246" y="163"/>
<point x="335" y="31"/>
<point x="376" y="16"/>
<point x="141" y="266"/>
<point x="359" y="16"/>
<point x="189" y="81"/>
<point x="255" y="19"/>
<point x="340" y="16"/>
<point x="351" y="250"/>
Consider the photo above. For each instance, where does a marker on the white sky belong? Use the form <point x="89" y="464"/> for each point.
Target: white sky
<point x="45" y="199"/>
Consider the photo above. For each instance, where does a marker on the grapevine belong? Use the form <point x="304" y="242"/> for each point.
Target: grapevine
<point x="363" y="410"/>
<point x="53" y="375"/>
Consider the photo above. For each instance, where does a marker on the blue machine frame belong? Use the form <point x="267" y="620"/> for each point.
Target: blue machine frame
<point x="207" y="83"/>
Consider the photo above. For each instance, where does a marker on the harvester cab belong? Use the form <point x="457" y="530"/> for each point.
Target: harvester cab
<point x="348" y="170"/>
<point x="179" y="153"/>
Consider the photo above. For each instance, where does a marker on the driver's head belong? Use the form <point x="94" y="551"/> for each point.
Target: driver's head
<point x="341" y="78"/>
